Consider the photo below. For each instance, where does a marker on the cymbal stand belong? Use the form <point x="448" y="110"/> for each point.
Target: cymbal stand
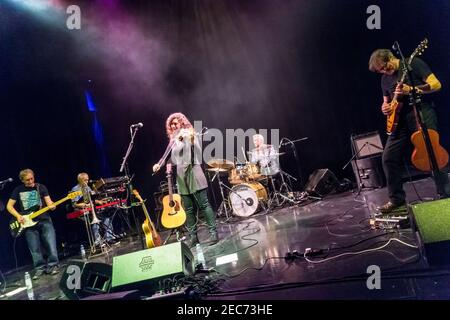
<point x="277" y="194"/>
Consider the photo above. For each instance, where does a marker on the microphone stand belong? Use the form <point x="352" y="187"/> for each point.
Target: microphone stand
<point x="124" y="167"/>
<point x="416" y="103"/>
<point x="297" y="161"/>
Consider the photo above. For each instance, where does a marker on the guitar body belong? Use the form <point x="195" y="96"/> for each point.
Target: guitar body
<point x="16" y="228"/>
<point x="152" y="238"/>
<point x="393" y="118"/>
<point x="420" y="157"/>
<point x="173" y="215"/>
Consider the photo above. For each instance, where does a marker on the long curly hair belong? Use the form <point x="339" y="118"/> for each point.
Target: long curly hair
<point x="184" y="123"/>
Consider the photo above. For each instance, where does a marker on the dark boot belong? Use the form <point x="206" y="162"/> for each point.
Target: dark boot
<point x="212" y="239"/>
<point x="390" y="208"/>
<point x="192" y="241"/>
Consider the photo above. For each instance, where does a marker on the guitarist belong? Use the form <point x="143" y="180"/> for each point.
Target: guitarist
<point x="383" y="61"/>
<point x="191" y="181"/>
<point x="31" y="196"/>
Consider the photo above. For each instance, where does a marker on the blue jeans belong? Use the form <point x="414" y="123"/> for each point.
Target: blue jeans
<point x="45" y="232"/>
<point x="107" y="224"/>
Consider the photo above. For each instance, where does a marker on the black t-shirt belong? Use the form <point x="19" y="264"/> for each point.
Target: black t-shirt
<point x="30" y="199"/>
<point x="420" y="71"/>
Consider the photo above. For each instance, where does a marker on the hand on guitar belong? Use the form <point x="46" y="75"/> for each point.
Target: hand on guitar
<point x="21" y="219"/>
<point x="156" y="167"/>
<point x="386" y="108"/>
<point x="402" y="89"/>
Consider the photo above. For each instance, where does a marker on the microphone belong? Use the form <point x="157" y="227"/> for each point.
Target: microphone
<point x="6" y="181"/>
<point x="137" y="125"/>
<point x="395" y="46"/>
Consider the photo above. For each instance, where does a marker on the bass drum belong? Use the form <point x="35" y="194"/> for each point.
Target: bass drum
<point x="245" y="198"/>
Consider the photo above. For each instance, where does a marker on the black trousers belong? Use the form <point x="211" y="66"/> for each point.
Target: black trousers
<point x="198" y="200"/>
<point x="398" y="148"/>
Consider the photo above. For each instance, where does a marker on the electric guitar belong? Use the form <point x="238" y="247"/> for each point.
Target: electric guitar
<point x="394" y="116"/>
<point x="152" y="238"/>
<point x="173" y="215"/>
<point x="16" y="228"/>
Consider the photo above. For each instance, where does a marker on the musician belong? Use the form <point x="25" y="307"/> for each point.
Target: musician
<point x="383" y="61"/>
<point x="82" y="204"/>
<point x="29" y="196"/>
<point x="191" y="181"/>
<point x="264" y="155"/>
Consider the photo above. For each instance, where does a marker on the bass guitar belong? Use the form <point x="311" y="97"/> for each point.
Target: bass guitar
<point x="173" y="215"/>
<point x="16" y="228"/>
<point x="152" y="238"/>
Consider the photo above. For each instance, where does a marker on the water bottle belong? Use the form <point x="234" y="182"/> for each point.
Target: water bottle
<point x="29" y="286"/>
<point x="83" y="253"/>
<point x="200" y="256"/>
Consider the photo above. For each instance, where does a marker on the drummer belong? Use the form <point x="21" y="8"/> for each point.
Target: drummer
<point x="265" y="156"/>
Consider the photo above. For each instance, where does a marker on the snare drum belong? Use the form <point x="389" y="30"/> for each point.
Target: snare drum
<point x="245" y="198"/>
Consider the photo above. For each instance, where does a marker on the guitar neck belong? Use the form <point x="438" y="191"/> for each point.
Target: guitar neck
<point x="44" y="210"/>
<point x="144" y="208"/>
<point x="169" y="186"/>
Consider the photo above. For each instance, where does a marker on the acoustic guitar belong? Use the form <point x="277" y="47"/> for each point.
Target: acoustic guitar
<point x="394" y="116"/>
<point x="16" y="228"/>
<point x="173" y="215"/>
<point x="152" y="238"/>
<point x="420" y="158"/>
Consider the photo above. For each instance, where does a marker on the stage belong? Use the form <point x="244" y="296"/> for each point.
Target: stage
<point x="270" y="247"/>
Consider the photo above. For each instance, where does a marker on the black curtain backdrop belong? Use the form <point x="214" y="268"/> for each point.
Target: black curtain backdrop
<point x="297" y="66"/>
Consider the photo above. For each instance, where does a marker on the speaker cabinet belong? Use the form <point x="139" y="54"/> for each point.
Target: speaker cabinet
<point x="146" y="268"/>
<point x="82" y="279"/>
<point x="321" y="182"/>
<point x="369" y="172"/>
<point x="432" y="221"/>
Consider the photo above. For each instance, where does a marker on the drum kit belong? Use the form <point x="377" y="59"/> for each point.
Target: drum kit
<point x="251" y="190"/>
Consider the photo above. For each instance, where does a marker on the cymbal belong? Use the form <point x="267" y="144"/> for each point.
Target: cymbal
<point x="221" y="164"/>
<point x="217" y="170"/>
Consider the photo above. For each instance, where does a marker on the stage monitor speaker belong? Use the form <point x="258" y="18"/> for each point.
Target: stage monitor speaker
<point x="432" y="221"/>
<point x="321" y="182"/>
<point x="367" y="144"/>
<point x="146" y="268"/>
<point x="82" y="279"/>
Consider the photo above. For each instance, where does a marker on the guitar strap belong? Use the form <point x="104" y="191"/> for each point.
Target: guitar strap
<point x="39" y="193"/>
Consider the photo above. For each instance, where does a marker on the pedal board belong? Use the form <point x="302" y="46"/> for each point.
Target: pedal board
<point x="380" y="221"/>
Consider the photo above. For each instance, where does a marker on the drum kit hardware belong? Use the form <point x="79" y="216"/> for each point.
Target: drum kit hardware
<point x="253" y="187"/>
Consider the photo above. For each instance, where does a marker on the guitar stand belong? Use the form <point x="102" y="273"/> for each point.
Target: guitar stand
<point x="172" y="232"/>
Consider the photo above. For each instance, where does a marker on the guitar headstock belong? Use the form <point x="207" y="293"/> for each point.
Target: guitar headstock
<point x="137" y="195"/>
<point x="73" y="195"/>
<point x="420" y="48"/>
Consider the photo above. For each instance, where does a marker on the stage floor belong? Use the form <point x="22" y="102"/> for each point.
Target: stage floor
<point x="337" y="224"/>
